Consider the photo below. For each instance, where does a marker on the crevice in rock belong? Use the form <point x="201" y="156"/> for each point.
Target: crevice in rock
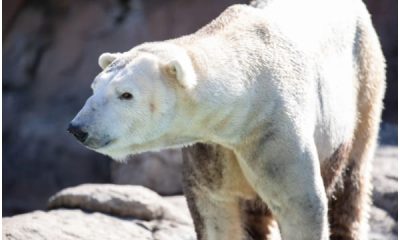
<point x="33" y="48"/>
<point x="33" y="67"/>
<point x="154" y="230"/>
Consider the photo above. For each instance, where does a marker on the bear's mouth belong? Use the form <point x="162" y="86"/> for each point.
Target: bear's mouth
<point x="95" y="144"/>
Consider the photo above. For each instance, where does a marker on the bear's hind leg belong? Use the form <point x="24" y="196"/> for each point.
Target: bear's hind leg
<point x="350" y="201"/>
<point x="349" y="205"/>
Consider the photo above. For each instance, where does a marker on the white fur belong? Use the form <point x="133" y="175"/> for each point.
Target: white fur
<point x="288" y="66"/>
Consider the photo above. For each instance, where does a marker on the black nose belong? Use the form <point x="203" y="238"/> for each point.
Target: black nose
<point x="77" y="132"/>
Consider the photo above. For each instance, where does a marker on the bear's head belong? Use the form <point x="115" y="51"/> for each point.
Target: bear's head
<point x="141" y="101"/>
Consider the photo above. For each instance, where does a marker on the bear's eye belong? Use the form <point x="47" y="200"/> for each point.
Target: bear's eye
<point x="126" y="96"/>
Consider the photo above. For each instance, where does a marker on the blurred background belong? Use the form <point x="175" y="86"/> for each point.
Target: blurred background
<point x="50" y="52"/>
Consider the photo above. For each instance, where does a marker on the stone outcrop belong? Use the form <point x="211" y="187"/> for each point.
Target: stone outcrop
<point x="104" y="212"/>
<point x="117" y="200"/>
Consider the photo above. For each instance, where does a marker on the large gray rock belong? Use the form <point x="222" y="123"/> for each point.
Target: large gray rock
<point x="71" y="224"/>
<point x="118" y="200"/>
<point x="104" y="212"/>
<point x="68" y="224"/>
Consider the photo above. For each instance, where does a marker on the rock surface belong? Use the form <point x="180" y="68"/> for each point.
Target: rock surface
<point x="384" y="216"/>
<point x="123" y="201"/>
<point x="104" y="212"/>
<point x="382" y="225"/>
<point x="385" y="179"/>
<point x="63" y="224"/>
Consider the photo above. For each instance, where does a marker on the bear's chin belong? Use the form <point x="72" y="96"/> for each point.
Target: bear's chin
<point x="118" y="156"/>
<point x="121" y="159"/>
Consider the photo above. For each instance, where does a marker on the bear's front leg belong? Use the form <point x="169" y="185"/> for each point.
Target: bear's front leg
<point x="284" y="171"/>
<point x="214" y="185"/>
<point x="215" y="219"/>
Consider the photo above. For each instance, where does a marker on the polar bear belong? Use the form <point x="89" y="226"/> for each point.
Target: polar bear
<point x="277" y="104"/>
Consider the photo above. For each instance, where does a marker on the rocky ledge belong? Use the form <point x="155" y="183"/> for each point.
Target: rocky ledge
<point x="107" y="211"/>
<point x="104" y="212"/>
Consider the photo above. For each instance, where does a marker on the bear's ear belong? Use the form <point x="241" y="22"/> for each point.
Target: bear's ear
<point x="106" y="59"/>
<point x="181" y="71"/>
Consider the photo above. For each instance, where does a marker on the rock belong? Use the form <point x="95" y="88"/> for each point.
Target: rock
<point x="71" y="224"/>
<point x="159" y="171"/>
<point x="180" y="203"/>
<point x="382" y="226"/>
<point x="384" y="214"/>
<point x="96" y="211"/>
<point x="68" y="224"/>
<point x="117" y="200"/>
<point x="385" y="180"/>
